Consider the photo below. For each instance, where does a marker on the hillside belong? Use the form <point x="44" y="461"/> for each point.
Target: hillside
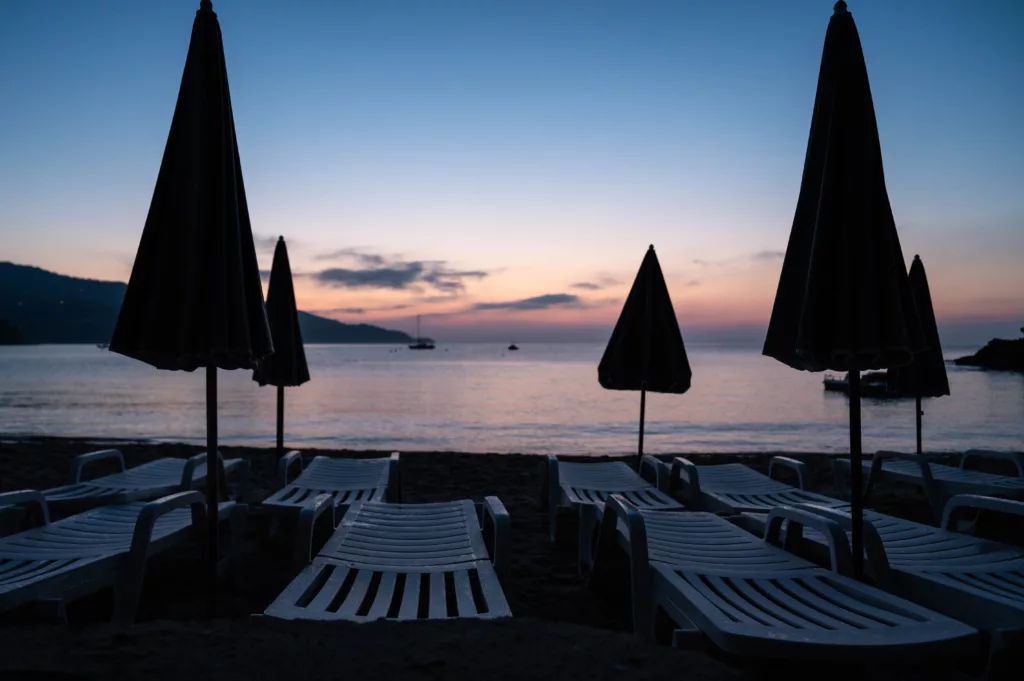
<point x="999" y="354"/>
<point x="46" y="307"/>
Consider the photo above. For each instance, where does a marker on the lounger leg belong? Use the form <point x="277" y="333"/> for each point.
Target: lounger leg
<point x="237" y="519"/>
<point x="126" y="596"/>
<point x="48" y="610"/>
<point x="588" y="527"/>
<point x="1004" y="662"/>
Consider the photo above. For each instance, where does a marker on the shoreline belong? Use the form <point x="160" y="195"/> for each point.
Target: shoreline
<point x="560" y="629"/>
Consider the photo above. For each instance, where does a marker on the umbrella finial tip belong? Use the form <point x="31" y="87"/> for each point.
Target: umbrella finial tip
<point x="205" y="4"/>
<point x="840" y="7"/>
<point x="280" y="238"/>
<point x="650" y="247"/>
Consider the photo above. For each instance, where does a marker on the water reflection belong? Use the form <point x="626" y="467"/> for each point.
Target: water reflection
<point x="544" y="398"/>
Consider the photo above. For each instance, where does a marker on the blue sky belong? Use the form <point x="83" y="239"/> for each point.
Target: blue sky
<point x="517" y="149"/>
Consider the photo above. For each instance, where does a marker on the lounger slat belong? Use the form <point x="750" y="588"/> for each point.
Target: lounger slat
<point x="385" y="594"/>
<point x="438" y="608"/>
<point x="355" y="595"/>
<point x="409" y="610"/>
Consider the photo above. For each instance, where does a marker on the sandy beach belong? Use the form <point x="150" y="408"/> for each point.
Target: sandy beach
<point x="560" y="630"/>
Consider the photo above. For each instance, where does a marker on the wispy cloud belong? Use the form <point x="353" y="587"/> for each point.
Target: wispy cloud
<point x="601" y="282"/>
<point x="692" y="283"/>
<point x="375" y="270"/>
<point x="768" y="256"/>
<point x="543" y="302"/>
<point x="264" y="242"/>
<point x="350" y="310"/>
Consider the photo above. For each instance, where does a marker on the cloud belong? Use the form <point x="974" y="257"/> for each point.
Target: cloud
<point x="265" y="274"/>
<point x="264" y="242"/>
<point x="373" y="270"/>
<point x="768" y="256"/>
<point x="692" y="283"/>
<point x="543" y="302"/>
<point x="602" y="282"/>
<point x="361" y="310"/>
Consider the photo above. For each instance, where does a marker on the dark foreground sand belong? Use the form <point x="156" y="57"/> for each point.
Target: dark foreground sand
<point x="561" y="630"/>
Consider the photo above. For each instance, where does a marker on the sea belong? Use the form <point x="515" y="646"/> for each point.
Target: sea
<point x="543" y="398"/>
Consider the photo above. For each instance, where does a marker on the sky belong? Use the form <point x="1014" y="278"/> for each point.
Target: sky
<point x="500" y="167"/>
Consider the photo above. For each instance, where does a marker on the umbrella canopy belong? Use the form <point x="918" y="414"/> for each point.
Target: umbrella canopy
<point x="646" y="348"/>
<point x="194" y="298"/>
<point x="844" y="301"/>
<point x="645" y="351"/>
<point x="926" y="375"/>
<point x="287" y="366"/>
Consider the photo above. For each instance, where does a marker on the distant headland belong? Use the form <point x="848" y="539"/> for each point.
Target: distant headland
<point x="38" y="306"/>
<point x="999" y="354"/>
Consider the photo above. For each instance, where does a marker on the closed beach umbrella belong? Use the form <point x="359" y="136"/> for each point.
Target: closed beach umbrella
<point x="645" y="351"/>
<point x="194" y="298"/>
<point x="926" y="375"/>
<point x="287" y="366"/>
<point x="843" y="302"/>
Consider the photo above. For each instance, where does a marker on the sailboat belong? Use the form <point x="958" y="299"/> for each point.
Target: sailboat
<point x="420" y="343"/>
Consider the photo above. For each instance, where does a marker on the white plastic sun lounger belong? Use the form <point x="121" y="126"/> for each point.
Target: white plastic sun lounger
<point x="347" y="481"/>
<point x="751" y="597"/>
<point x="939" y="481"/>
<point x="977" y="581"/>
<point x="399" y="562"/>
<point x="148" y="481"/>
<point x="583" y="488"/>
<point x="733" y="487"/>
<point x="107" y="547"/>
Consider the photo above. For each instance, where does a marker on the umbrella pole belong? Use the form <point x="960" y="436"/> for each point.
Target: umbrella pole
<point x="856" y="487"/>
<point x="640" y="444"/>
<point x="918" y="414"/>
<point x="280" y="421"/>
<point x="212" y="486"/>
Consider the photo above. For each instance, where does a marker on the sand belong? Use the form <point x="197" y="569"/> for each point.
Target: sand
<point x="561" y="629"/>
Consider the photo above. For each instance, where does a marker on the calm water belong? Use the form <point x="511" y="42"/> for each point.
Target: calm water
<point x="480" y="398"/>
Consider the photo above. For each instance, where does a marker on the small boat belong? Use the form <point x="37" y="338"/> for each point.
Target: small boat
<point x="513" y="346"/>
<point x="872" y="384"/>
<point x="420" y="343"/>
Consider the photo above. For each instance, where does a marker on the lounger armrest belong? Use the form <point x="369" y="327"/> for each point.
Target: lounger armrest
<point x="302" y="554"/>
<point x="188" y="473"/>
<point x="619" y="508"/>
<point x="977" y="502"/>
<point x="685" y="472"/>
<point x="874" y="548"/>
<point x="797" y="466"/>
<point x="152" y="511"/>
<point x="922" y="462"/>
<point x="82" y="460"/>
<point x="654" y="471"/>
<point x="286" y="462"/>
<point x="1013" y="457"/>
<point x="495" y="511"/>
<point x="27" y="498"/>
<point x="838" y="544"/>
<point x="394" y="479"/>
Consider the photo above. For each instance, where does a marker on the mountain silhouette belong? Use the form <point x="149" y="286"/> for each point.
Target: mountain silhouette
<point x="46" y="307"/>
